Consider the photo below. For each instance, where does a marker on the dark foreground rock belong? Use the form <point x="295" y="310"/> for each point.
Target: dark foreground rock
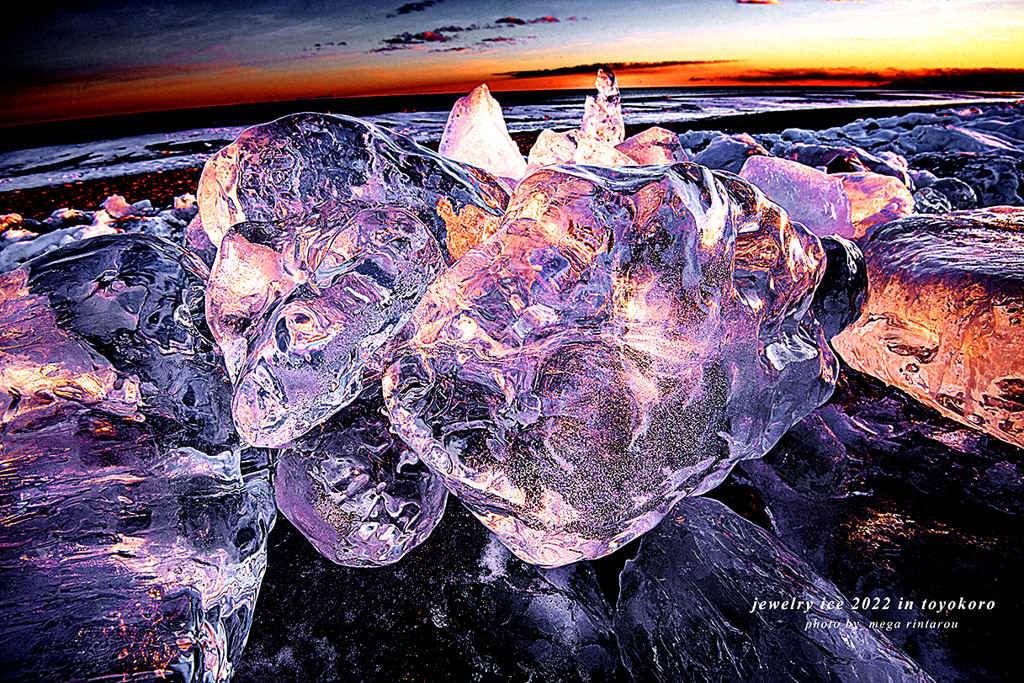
<point x="459" y="607"/>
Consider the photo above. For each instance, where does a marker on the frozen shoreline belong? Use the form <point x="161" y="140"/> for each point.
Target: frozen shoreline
<point x="42" y="166"/>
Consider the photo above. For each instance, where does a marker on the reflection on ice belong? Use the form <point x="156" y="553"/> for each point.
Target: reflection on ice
<point x="622" y="341"/>
<point x="131" y="542"/>
<point x="329" y="229"/>
<point x="711" y="597"/>
<point x="358" y="493"/>
<point x="943" y="320"/>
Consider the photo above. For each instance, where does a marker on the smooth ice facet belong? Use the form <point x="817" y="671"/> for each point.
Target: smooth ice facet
<point x="575" y="147"/>
<point x="476" y="134"/>
<point x="812" y="197"/>
<point x="354" y="490"/>
<point x="712" y="597"/>
<point x="875" y="199"/>
<point x="344" y="226"/>
<point x="602" y="116"/>
<point x="843" y="204"/>
<point x="131" y="545"/>
<point x="621" y="342"/>
<point x="653" y="146"/>
<point x="943" y="320"/>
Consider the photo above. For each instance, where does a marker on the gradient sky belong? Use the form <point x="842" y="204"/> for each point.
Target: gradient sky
<point x="89" y="58"/>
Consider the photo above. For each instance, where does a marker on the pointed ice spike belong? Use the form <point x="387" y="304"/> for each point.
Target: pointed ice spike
<point x="602" y="116"/>
<point x="476" y="134"/>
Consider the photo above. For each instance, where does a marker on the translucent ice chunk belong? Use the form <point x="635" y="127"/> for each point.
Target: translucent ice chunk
<point x="712" y="597"/>
<point x="476" y="134"/>
<point x="574" y="147"/>
<point x="943" y="320"/>
<point x="345" y="226"/>
<point x="844" y="204"/>
<point x="354" y="490"/>
<point x="125" y="550"/>
<point x="653" y="146"/>
<point x="810" y="196"/>
<point x="621" y="342"/>
<point x="875" y="199"/>
<point x="602" y="116"/>
<point x="306" y="163"/>
<point x="296" y="333"/>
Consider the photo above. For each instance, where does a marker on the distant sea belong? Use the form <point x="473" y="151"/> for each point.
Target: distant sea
<point x="44" y="155"/>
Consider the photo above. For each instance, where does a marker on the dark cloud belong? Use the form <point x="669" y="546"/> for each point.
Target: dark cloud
<point x="507" y="39"/>
<point x="613" y="66"/>
<point x="417" y="38"/>
<point x="516" y="21"/>
<point x="404" y="41"/>
<point x="758" y="2"/>
<point x="413" y="7"/>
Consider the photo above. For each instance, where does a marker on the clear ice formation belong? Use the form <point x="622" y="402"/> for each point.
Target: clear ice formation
<point x="335" y="166"/>
<point x="944" y="316"/>
<point x="476" y="134"/>
<point x="653" y="145"/>
<point x="131" y="544"/>
<point x="602" y="116"/>
<point x="357" y="492"/>
<point x="574" y="147"/>
<point x="844" y="204"/>
<point x="841" y="159"/>
<point x="697" y="605"/>
<point x="623" y="340"/>
<point x="329" y="229"/>
<point x="875" y="199"/>
<point x="594" y="144"/>
<point x="459" y="608"/>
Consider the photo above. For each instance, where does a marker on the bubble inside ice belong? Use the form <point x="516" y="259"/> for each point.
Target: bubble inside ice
<point x="622" y="341"/>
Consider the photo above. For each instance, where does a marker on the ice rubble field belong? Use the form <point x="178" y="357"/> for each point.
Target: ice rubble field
<point x="562" y="348"/>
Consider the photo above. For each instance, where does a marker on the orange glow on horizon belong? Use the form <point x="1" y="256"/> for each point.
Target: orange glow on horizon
<point x="164" y="92"/>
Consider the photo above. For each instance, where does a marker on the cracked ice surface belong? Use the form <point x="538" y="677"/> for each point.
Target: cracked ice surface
<point x="622" y="341"/>
<point x="712" y="597"/>
<point x="357" y="492"/>
<point x="943" y="319"/>
<point x="329" y="230"/>
<point x="129" y="536"/>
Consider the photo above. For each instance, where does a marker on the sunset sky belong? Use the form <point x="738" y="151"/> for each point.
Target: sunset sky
<point x="91" y="58"/>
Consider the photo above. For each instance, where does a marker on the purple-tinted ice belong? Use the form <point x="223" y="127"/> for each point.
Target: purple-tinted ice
<point x="329" y="230"/>
<point x="131" y="544"/>
<point x="622" y="341"/>
<point x="843" y="204"/>
<point x="477" y="135"/>
<point x="357" y="492"/>
<point x="602" y="116"/>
